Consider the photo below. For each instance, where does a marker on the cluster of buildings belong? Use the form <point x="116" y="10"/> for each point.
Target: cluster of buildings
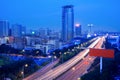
<point x="45" y="39"/>
<point x="114" y="41"/>
<point x="18" y="37"/>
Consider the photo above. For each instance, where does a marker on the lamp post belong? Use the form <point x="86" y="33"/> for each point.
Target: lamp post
<point x="61" y="56"/>
<point x="55" y="57"/>
<point x="23" y="52"/>
<point x="51" y="58"/>
<point x="23" y="70"/>
<point x="64" y="52"/>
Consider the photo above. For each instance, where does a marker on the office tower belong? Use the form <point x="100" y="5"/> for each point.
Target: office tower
<point x="18" y="30"/>
<point x="4" y="28"/>
<point x="67" y="23"/>
<point x="77" y="30"/>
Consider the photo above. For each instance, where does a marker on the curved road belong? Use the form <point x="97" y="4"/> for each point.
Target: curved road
<point x="81" y="68"/>
<point x="54" y="73"/>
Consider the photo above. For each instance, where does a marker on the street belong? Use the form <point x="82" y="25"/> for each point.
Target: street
<point x="54" y="73"/>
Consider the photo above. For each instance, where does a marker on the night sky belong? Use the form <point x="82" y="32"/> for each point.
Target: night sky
<point x="104" y="14"/>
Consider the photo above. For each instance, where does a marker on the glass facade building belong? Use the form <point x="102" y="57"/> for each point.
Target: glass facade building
<point x="67" y="23"/>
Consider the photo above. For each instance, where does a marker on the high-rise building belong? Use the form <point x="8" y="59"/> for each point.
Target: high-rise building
<point x="67" y="23"/>
<point x="18" y="30"/>
<point x="4" y="28"/>
<point x="78" y="30"/>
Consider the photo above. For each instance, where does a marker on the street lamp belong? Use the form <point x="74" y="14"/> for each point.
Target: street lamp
<point x="23" y="50"/>
<point x="61" y="56"/>
<point x="64" y="52"/>
<point x="23" y="71"/>
<point x="51" y="58"/>
<point x="55" y="57"/>
<point x="26" y="65"/>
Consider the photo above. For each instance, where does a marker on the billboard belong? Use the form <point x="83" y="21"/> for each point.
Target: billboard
<point x="108" y="53"/>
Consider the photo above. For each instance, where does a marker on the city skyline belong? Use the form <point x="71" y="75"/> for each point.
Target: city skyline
<point x="59" y="40"/>
<point x="35" y="13"/>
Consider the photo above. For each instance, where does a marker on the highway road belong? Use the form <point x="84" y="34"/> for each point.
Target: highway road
<point x="41" y="71"/>
<point x="55" y="72"/>
<point x="81" y="68"/>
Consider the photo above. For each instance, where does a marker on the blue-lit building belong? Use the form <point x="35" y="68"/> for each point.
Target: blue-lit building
<point x="4" y="28"/>
<point x="78" y="30"/>
<point x="18" y="30"/>
<point x="67" y="23"/>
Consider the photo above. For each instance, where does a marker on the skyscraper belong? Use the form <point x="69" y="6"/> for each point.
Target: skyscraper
<point x="4" y="28"/>
<point x="78" y="30"/>
<point x="67" y="23"/>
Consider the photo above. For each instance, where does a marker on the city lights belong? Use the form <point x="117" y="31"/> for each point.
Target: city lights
<point x="26" y="65"/>
<point x="77" y="25"/>
<point x="73" y="68"/>
<point x="48" y="40"/>
<point x="33" y="32"/>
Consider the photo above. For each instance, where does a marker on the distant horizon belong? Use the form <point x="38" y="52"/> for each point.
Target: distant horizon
<point x="54" y="29"/>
